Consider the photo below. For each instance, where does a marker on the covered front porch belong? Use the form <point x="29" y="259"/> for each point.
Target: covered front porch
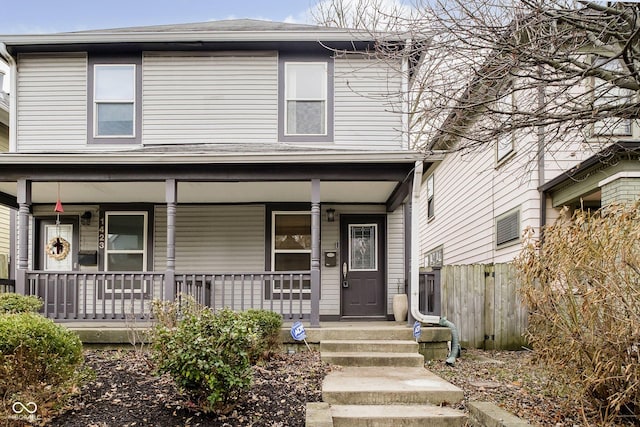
<point x="262" y="233"/>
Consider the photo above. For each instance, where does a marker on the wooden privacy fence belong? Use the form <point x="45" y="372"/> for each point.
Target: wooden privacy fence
<point x="483" y="301"/>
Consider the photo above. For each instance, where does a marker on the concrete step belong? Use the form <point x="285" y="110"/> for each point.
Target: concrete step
<point x="396" y="415"/>
<point x="377" y="332"/>
<point x="369" y="346"/>
<point x="375" y="386"/>
<point x="373" y="359"/>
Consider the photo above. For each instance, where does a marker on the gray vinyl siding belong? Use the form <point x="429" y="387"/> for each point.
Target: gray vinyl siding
<point x="5" y="231"/>
<point x="395" y="256"/>
<point x="367" y="109"/>
<point x="52" y="102"/>
<point x="210" y="98"/>
<point x="330" y="234"/>
<point x="216" y="239"/>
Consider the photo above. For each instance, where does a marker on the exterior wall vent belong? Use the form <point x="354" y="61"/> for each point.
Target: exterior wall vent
<point x="508" y="227"/>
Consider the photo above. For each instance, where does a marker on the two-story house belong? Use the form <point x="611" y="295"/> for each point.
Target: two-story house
<point x="248" y="163"/>
<point x="476" y="205"/>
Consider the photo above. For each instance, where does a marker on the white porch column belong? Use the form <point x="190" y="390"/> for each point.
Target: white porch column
<point x="315" y="252"/>
<point x="170" y="274"/>
<point x="24" y="205"/>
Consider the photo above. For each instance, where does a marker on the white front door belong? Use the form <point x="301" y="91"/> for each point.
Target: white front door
<point x="58" y="247"/>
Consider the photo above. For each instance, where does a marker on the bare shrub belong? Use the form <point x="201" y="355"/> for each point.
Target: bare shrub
<point x="582" y="286"/>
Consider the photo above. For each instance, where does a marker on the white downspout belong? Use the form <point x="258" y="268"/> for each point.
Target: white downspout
<point x="415" y="248"/>
<point x="13" y="104"/>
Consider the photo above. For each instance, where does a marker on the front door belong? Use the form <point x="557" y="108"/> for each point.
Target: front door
<point x="362" y="270"/>
<point x="57" y="253"/>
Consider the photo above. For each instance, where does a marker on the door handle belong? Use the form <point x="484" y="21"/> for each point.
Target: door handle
<point x="345" y="270"/>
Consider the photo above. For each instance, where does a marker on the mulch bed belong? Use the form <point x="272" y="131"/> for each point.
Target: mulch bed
<point x="126" y="392"/>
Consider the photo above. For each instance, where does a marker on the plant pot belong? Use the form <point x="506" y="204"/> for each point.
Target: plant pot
<point x="400" y="307"/>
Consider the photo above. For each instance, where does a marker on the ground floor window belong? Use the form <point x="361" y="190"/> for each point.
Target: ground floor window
<point x="124" y="242"/>
<point x="290" y="250"/>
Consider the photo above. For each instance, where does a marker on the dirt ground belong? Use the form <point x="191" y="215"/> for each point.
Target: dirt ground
<point x="125" y="392"/>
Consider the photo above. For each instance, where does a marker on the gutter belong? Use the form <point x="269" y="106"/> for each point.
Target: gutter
<point x="13" y="90"/>
<point x="124" y="157"/>
<point x="193" y="36"/>
<point x="415" y="249"/>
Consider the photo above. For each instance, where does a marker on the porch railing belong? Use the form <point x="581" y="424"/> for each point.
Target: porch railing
<point x="287" y="293"/>
<point x="129" y="295"/>
<point x="96" y="296"/>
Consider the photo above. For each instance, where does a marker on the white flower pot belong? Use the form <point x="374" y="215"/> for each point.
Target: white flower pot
<point x="400" y="307"/>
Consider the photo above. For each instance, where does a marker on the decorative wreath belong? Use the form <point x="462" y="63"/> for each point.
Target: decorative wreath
<point x="58" y="248"/>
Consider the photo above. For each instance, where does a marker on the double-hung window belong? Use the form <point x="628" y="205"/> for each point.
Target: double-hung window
<point x="114" y="100"/>
<point x="290" y="251"/>
<point x="114" y="105"/>
<point x="123" y="237"/>
<point x="430" y="196"/>
<point x="306" y="98"/>
<point x="608" y="96"/>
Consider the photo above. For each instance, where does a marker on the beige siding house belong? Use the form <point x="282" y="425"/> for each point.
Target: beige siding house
<point x="243" y="162"/>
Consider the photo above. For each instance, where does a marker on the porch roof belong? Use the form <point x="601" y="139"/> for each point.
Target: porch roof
<point x="215" y="154"/>
<point x="212" y="174"/>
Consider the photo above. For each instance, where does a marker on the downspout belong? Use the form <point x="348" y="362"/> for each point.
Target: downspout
<point x="13" y="105"/>
<point x="415" y="269"/>
<point x="415" y="249"/>
<point x="540" y="159"/>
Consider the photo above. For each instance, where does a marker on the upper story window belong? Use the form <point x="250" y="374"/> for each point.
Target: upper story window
<point x="114" y="100"/>
<point x="305" y="107"/>
<point x="430" y="197"/>
<point x="606" y="96"/>
<point x="114" y="93"/>
<point x="306" y="98"/>
<point x="505" y="109"/>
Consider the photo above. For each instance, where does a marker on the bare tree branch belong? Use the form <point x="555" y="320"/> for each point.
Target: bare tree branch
<point x="475" y="54"/>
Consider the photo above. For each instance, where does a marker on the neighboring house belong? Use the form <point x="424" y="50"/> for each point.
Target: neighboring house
<point x="248" y="163"/>
<point x="476" y="205"/>
<point x="5" y="213"/>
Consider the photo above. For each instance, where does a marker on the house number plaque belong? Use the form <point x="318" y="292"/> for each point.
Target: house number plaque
<point x="101" y="236"/>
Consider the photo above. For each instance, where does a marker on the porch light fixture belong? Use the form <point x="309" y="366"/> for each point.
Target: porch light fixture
<point x="85" y="218"/>
<point x="331" y="215"/>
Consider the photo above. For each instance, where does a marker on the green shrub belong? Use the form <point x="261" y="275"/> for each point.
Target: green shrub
<point x="15" y="303"/>
<point x="39" y="360"/>
<point x="268" y="325"/>
<point x="582" y="287"/>
<point x="206" y="354"/>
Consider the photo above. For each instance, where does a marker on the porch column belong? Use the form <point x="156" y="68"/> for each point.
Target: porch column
<point x="24" y="205"/>
<point x="315" y="252"/>
<point x="170" y="274"/>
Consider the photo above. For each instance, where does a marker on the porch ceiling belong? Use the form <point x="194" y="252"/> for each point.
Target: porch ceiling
<point x="206" y="192"/>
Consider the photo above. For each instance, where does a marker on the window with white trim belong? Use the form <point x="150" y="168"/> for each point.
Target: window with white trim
<point x="114" y="100"/>
<point x="607" y="95"/>
<point x="430" y="196"/>
<point x="125" y="244"/>
<point x="305" y="98"/>
<point x="506" y="108"/>
<point x="290" y="250"/>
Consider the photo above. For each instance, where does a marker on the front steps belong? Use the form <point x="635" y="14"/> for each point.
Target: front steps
<point x="382" y="382"/>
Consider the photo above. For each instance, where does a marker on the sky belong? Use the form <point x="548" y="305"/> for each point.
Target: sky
<point x="50" y="16"/>
<point x="53" y="16"/>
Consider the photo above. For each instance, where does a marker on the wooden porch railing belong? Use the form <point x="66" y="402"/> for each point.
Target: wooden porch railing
<point x="69" y="296"/>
